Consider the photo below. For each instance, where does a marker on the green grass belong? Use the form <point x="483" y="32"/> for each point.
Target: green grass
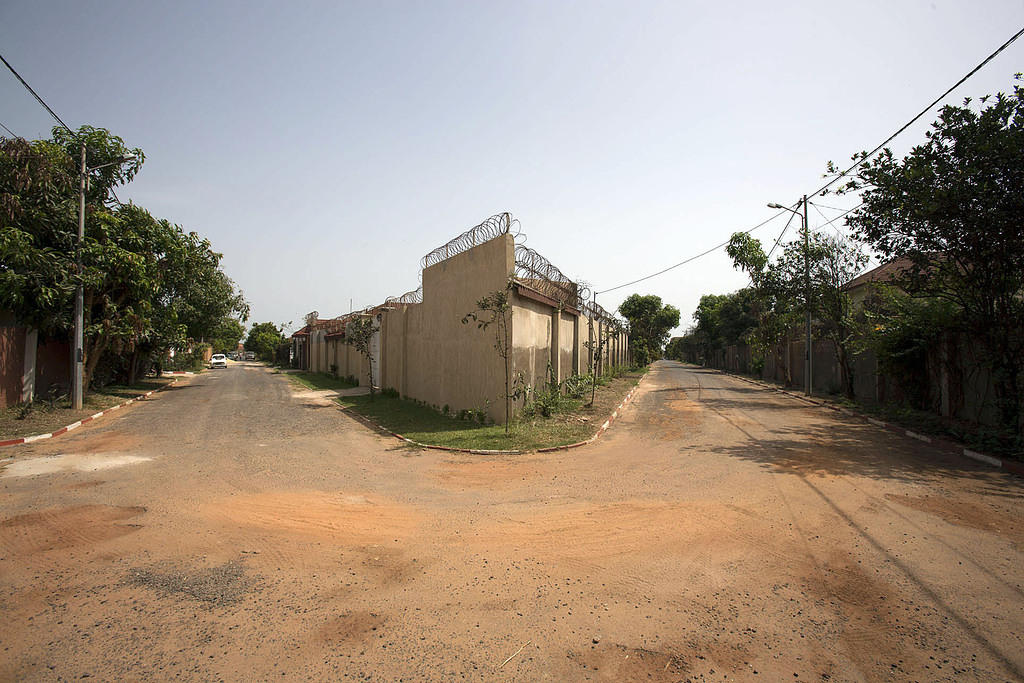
<point x="576" y="422"/>
<point x="320" y="380"/>
<point x="44" y="416"/>
<point x="986" y="439"/>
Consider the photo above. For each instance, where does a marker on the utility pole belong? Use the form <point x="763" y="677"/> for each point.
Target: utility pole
<point x="79" y="352"/>
<point x="808" y="385"/>
<point x="809" y="360"/>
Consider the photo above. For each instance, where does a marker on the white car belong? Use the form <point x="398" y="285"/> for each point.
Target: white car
<point x="219" y="360"/>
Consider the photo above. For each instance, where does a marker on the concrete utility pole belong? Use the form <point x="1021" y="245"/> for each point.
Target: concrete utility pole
<point x="808" y="363"/>
<point x="78" y="351"/>
<point x="807" y="296"/>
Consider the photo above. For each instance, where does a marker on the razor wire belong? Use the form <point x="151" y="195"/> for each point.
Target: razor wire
<point x="413" y="297"/>
<point x="495" y="226"/>
<point x="535" y="271"/>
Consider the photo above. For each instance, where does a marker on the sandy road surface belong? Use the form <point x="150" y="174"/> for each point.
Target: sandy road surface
<point x="226" y="529"/>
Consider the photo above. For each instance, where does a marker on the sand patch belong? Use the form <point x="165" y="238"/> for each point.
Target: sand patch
<point x="70" y="462"/>
<point x="61" y="528"/>
<point x="352" y="519"/>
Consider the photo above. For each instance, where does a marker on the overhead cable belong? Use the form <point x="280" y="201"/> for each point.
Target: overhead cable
<point x="35" y="95"/>
<point x="842" y="174"/>
<point x="920" y="114"/>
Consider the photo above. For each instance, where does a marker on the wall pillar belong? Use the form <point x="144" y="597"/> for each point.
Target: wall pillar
<point x="556" y="357"/>
<point x="576" y="345"/>
<point x="28" y="375"/>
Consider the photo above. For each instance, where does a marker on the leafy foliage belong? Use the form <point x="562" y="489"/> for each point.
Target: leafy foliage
<point x="494" y="310"/>
<point x="809" y="275"/>
<point x="148" y="286"/>
<point x="952" y="209"/>
<point x="601" y="335"/>
<point x="263" y="340"/>
<point x="649" y="325"/>
<point x="359" y="335"/>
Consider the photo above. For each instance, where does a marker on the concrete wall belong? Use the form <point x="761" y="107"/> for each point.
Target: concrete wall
<point x="12" y="360"/>
<point x="532" y="324"/>
<point x="30" y="364"/>
<point x="428" y="354"/>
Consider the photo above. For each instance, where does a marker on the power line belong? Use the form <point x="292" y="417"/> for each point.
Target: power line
<point x="829" y="222"/>
<point x="782" y="234"/>
<point x="922" y="113"/>
<point x="840" y="175"/>
<point x="9" y="131"/>
<point x="692" y="258"/>
<point x="35" y="95"/>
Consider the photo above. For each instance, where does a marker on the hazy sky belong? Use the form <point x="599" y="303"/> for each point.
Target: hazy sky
<point x="325" y="147"/>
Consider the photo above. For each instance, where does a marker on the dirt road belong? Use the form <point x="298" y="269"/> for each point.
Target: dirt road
<point x="226" y="529"/>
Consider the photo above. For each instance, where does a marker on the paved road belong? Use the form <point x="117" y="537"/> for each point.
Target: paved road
<point x="230" y="529"/>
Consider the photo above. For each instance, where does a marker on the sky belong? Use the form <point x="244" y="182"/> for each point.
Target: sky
<point x="325" y="147"/>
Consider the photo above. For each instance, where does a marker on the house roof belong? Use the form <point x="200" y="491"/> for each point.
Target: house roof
<point x="883" y="273"/>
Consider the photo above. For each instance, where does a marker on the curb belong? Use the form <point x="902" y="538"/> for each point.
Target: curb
<point x="79" y="423"/>
<point x="477" y="451"/>
<point x="941" y="444"/>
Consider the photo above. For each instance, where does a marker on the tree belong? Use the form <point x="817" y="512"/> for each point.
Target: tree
<point x="359" y="335"/>
<point x="263" y="340"/>
<point x="723" y="320"/>
<point x="649" y="325"/>
<point x="495" y="311"/>
<point x="147" y="285"/>
<point x="952" y="208"/>
<point x="777" y="309"/>
<point x="225" y="336"/>
<point x="611" y="328"/>
<point x="781" y="290"/>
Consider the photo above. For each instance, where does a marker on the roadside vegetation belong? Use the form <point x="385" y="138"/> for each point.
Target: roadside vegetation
<point x="947" y="218"/>
<point x="148" y="285"/>
<point x="548" y="420"/>
<point x="318" y="381"/>
<point x="47" y="414"/>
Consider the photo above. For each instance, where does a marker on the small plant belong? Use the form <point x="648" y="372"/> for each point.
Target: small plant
<point x="446" y="410"/>
<point x="24" y="410"/>
<point x="390" y="392"/>
<point x="359" y="335"/>
<point x="495" y="309"/>
<point x="576" y="386"/>
<point x="334" y="370"/>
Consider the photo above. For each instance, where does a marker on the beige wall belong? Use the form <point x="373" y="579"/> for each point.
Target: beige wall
<point x="531" y="339"/>
<point x="428" y="354"/>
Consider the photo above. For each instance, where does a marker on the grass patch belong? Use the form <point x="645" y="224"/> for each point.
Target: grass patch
<point x="43" y="417"/>
<point x="575" y="422"/>
<point x="986" y="439"/>
<point x="321" y="380"/>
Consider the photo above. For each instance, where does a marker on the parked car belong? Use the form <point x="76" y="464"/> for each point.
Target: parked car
<point x="219" y="360"/>
<point x="250" y="355"/>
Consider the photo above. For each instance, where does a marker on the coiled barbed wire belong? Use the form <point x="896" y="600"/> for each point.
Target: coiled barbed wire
<point x="496" y="225"/>
<point x="537" y="272"/>
<point x="413" y="297"/>
<point x="596" y="311"/>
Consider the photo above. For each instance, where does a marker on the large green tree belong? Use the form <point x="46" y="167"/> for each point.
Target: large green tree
<point x="147" y="284"/>
<point x="954" y="209"/>
<point x="649" y="325"/>
<point x="809" y="275"/>
<point x="263" y="339"/>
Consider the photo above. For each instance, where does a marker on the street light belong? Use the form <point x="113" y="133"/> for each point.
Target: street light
<point x="808" y="385"/>
<point x="79" y="334"/>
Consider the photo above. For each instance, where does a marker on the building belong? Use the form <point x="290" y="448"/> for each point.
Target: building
<point x="425" y="351"/>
